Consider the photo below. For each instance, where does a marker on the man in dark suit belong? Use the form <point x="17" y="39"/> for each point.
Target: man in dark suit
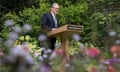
<point x="50" y="22"/>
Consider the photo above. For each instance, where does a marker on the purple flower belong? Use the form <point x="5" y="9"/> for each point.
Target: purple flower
<point x="112" y="33"/>
<point x="27" y="27"/>
<point x="9" y="22"/>
<point x="17" y="29"/>
<point x="76" y="37"/>
<point x="9" y="43"/>
<point x="42" y="37"/>
<point x="112" y="61"/>
<point x="13" y="36"/>
<point x="117" y="41"/>
<point x="45" y="68"/>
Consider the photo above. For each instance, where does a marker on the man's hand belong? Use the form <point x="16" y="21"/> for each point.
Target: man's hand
<point x="53" y="28"/>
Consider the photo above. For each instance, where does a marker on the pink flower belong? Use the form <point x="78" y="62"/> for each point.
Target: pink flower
<point x="59" y="51"/>
<point x="93" y="52"/>
<point x="113" y="49"/>
<point x="111" y="68"/>
<point x="36" y="54"/>
<point x="93" y="69"/>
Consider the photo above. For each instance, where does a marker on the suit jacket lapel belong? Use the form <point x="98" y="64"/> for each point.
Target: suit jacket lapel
<point x="51" y="19"/>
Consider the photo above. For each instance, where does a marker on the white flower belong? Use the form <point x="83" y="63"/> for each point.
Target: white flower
<point x="81" y="46"/>
<point x="36" y="54"/>
<point x="42" y="49"/>
<point x="45" y="56"/>
<point x="53" y="55"/>
<point x="67" y="65"/>
<point x="41" y="58"/>
<point x="48" y="51"/>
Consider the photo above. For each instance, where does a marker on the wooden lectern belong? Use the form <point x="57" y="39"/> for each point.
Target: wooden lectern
<point x="64" y="32"/>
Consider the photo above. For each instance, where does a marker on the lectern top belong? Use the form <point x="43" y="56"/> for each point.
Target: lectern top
<point x="68" y="28"/>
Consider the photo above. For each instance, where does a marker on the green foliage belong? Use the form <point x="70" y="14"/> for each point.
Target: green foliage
<point x="73" y="14"/>
<point x="16" y="5"/>
<point x="101" y="25"/>
<point x="115" y="21"/>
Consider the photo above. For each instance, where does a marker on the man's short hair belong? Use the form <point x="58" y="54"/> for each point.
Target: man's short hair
<point x="54" y="4"/>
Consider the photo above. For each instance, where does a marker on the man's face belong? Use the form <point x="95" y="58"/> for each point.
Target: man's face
<point x="55" y="9"/>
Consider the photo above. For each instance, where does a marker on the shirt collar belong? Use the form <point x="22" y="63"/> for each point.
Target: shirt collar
<point x="52" y="14"/>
